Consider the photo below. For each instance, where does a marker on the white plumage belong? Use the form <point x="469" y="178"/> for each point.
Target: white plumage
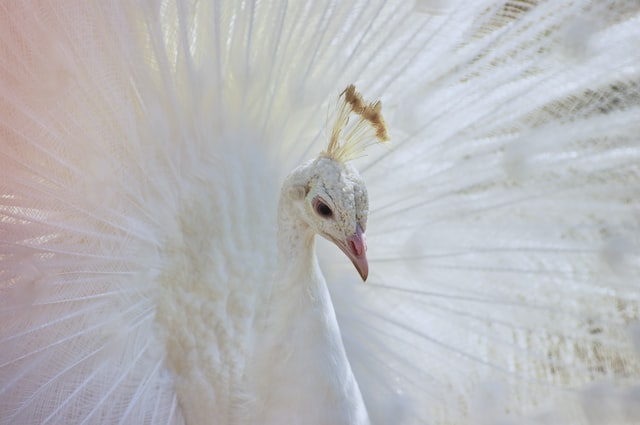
<point x="142" y="150"/>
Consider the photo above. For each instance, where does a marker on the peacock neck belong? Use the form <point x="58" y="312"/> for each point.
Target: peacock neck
<point x="296" y="252"/>
<point x="303" y="375"/>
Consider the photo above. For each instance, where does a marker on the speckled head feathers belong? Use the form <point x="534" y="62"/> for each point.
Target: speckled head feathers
<point x="348" y="140"/>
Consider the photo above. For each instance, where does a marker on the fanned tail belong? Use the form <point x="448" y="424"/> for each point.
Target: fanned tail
<point x="505" y="212"/>
<point x="503" y="232"/>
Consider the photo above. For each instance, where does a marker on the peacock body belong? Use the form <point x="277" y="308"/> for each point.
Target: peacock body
<point x="143" y="150"/>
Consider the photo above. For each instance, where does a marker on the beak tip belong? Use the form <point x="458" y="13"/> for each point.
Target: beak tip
<point x="356" y="249"/>
<point x="361" y="264"/>
<point x="363" y="269"/>
<point x="363" y="274"/>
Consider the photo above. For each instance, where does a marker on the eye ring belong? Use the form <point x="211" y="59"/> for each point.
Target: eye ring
<point x="322" y="209"/>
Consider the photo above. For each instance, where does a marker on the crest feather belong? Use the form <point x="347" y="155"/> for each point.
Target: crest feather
<point x="348" y="140"/>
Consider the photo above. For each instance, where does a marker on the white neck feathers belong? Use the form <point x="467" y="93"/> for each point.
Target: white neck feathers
<point x="302" y="372"/>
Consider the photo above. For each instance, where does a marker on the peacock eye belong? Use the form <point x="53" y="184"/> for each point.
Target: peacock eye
<point x="322" y="209"/>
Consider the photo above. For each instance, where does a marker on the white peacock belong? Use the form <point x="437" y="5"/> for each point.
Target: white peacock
<point x="149" y="276"/>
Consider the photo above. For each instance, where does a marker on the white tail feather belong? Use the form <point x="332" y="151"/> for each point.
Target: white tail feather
<point x="140" y="149"/>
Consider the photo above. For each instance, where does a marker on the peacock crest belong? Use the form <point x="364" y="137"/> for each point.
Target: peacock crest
<point x="349" y="139"/>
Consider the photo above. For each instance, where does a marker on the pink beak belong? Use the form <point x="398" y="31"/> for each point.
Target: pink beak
<point x="355" y="248"/>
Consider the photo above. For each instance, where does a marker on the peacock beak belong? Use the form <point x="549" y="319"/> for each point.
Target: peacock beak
<point x="356" y="249"/>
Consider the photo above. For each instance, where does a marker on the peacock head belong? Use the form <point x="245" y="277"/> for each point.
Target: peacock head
<point x="328" y="192"/>
<point x="330" y="197"/>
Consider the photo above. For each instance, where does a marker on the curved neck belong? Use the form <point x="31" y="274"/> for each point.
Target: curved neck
<point x="296" y="246"/>
<point x="303" y="375"/>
